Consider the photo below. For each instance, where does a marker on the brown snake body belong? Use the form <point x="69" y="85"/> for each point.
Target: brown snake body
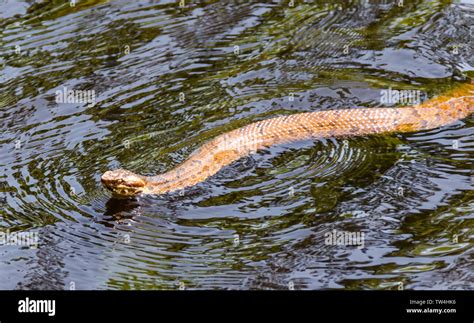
<point x="230" y="146"/>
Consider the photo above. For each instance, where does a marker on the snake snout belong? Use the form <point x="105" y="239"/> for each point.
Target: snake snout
<point x="122" y="177"/>
<point x="111" y="176"/>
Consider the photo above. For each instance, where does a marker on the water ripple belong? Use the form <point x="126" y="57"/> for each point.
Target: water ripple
<point x="166" y="80"/>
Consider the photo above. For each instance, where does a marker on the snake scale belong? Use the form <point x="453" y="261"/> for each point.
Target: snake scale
<point x="230" y="146"/>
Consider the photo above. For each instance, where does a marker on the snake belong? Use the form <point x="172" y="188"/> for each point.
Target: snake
<point x="228" y="147"/>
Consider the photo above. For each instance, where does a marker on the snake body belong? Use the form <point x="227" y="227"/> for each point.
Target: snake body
<point x="228" y="147"/>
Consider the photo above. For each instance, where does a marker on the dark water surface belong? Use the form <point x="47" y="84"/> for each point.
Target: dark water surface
<point x="261" y="222"/>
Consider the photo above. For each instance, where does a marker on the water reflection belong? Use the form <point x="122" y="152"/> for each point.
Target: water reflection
<point x="166" y="80"/>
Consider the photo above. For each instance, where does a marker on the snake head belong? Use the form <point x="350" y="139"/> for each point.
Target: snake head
<point x="123" y="182"/>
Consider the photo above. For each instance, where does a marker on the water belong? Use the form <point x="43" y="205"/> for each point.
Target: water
<point x="166" y="80"/>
